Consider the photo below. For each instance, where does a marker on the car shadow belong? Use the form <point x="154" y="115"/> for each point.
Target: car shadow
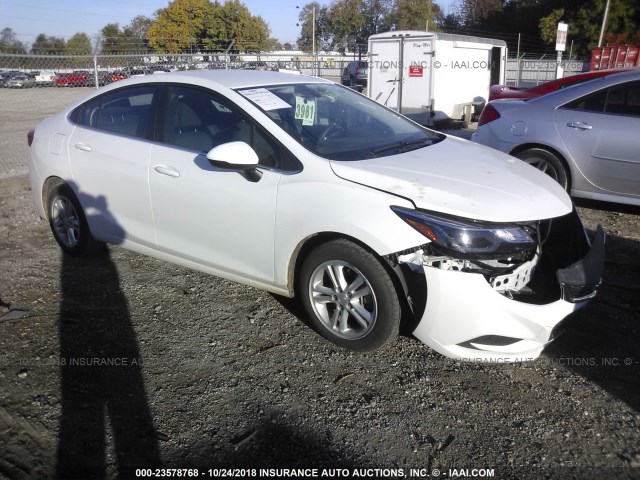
<point x="601" y="343"/>
<point x="606" y="206"/>
<point x="102" y="384"/>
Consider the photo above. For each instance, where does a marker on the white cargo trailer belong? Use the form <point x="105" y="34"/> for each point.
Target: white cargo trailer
<point x="432" y="76"/>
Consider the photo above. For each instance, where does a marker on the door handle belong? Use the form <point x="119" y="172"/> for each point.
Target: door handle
<point x="579" y="125"/>
<point x="169" y="171"/>
<point x="83" y="146"/>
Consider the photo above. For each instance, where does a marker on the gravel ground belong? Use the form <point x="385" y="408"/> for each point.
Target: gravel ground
<point x="209" y="374"/>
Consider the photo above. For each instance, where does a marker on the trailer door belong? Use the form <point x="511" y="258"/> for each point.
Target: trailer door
<point x="496" y="61"/>
<point x="415" y="89"/>
<point x="384" y="71"/>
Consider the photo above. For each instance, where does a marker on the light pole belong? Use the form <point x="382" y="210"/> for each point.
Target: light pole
<point x="313" y="32"/>
<point x="604" y="23"/>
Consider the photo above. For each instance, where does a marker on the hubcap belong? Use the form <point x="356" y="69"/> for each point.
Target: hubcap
<point x="66" y="223"/>
<point x="544" y="166"/>
<point x="343" y="299"/>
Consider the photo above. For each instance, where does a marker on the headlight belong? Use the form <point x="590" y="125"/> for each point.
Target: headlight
<point x="462" y="236"/>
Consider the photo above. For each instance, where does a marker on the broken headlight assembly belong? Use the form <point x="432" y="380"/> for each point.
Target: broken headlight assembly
<point x="462" y="238"/>
<point x="506" y="254"/>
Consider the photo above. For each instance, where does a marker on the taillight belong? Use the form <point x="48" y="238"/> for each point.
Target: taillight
<point x="357" y="72"/>
<point x="30" y="136"/>
<point x="489" y="114"/>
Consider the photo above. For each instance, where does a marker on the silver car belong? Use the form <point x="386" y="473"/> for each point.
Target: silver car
<point x="586" y="136"/>
<point x="21" y="81"/>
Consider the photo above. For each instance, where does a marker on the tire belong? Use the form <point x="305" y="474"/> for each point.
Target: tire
<point x="547" y="163"/>
<point x="69" y="224"/>
<point x="349" y="296"/>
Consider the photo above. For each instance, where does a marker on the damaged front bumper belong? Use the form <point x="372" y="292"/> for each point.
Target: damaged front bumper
<point x="509" y="317"/>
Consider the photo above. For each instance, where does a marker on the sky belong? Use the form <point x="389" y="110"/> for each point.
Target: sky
<point x="64" y="18"/>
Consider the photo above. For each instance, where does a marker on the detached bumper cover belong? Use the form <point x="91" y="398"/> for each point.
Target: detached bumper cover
<point x="580" y="281"/>
<point x="467" y="319"/>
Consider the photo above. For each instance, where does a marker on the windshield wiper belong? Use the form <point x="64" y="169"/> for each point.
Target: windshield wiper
<point x="401" y="146"/>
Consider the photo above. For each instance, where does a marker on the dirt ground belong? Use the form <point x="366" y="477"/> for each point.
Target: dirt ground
<point x="216" y="375"/>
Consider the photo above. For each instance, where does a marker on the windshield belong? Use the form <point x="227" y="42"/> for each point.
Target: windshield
<point x="337" y="123"/>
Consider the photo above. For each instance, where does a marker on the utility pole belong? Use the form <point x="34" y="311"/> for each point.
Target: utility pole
<point x="604" y="23"/>
<point x="313" y="34"/>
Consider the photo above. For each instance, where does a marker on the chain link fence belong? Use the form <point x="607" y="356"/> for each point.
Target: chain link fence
<point x="89" y="70"/>
<point x="528" y="71"/>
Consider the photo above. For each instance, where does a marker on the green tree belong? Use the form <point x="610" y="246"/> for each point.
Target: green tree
<point x="378" y="16"/>
<point x="251" y="33"/>
<point x="345" y="24"/>
<point x="476" y="13"/>
<point x="306" y="18"/>
<point x="79" y="44"/>
<point x="549" y="25"/>
<point x="9" y="43"/>
<point x="111" y="39"/>
<point x="585" y="21"/>
<point x="130" y="39"/>
<point x="180" y="27"/>
<point x="44" y="45"/>
<point x="451" y="22"/>
<point x="348" y="24"/>
<point x="194" y="25"/>
<point x="354" y="21"/>
<point x="135" y="34"/>
<point x="416" y="15"/>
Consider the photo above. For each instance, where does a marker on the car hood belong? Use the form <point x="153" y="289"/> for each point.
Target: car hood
<point x="465" y="179"/>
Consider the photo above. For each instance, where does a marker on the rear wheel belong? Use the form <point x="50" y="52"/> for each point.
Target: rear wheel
<point x="349" y="296"/>
<point x="68" y="222"/>
<point x="547" y="163"/>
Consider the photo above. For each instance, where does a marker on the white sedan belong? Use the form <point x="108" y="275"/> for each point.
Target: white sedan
<point x="585" y="136"/>
<point x="304" y="188"/>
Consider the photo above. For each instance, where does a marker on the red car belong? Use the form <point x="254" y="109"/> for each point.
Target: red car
<point x="506" y="91"/>
<point x="117" y="75"/>
<point x="76" y="79"/>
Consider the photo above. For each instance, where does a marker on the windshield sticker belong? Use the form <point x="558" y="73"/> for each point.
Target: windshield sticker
<point x="305" y="110"/>
<point x="265" y="99"/>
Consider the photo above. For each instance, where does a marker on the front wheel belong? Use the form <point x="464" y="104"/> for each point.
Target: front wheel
<point x="69" y="224"/>
<point x="349" y="296"/>
<point x="547" y="163"/>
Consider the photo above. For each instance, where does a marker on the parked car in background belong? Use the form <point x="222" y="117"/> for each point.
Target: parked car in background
<point x="255" y="66"/>
<point x="103" y="77"/>
<point x="160" y="68"/>
<point x="116" y="75"/>
<point x="139" y="72"/>
<point x="355" y="74"/>
<point x="304" y="188"/>
<point x="6" y="76"/>
<point x="45" y="78"/>
<point x="75" y="79"/>
<point x="22" y="80"/>
<point x="585" y="137"/>
<point x="505" y="91"/>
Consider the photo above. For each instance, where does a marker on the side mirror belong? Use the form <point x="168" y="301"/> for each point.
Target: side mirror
<point x="233" y="156"/>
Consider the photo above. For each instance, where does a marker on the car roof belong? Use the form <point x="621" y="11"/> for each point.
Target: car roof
<point x="229" y="79"/>
<point x="593" y="85"/>
<point x="560" y="97"/>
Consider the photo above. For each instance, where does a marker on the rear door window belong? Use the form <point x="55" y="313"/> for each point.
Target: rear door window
<point x="127" y="111"/>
